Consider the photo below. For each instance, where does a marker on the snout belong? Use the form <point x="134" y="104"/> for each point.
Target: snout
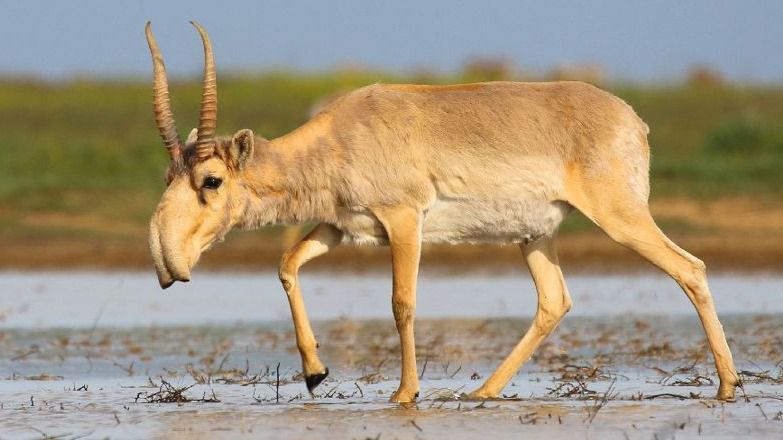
<point x="166" y="279"/>
<point x="170" y="263"/>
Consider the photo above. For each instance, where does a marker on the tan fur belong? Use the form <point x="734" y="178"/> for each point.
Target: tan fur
<point x="497" y="162"/>
<point x="553" y="303"/>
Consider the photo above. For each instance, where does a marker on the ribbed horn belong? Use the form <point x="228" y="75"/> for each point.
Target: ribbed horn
<point x="208" y="117"/>
<point x="161" y="105"/>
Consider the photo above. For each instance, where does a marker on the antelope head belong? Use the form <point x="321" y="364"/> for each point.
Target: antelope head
<point x="205" y="194"/>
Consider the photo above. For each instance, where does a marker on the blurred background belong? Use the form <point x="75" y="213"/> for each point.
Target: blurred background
<point x="87" y="339"/>
<point x="82" y="164"/>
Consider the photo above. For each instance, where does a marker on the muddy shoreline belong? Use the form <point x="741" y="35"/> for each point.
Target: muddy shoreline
<point x="108" y="355"/>
<point x="736" y="234"/>
<point x="584" y="252"/>
<point x="625" y="377"/>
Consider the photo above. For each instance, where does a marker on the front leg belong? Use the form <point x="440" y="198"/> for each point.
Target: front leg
<point x="403" y="227"/>
<point x="318" y="242"/>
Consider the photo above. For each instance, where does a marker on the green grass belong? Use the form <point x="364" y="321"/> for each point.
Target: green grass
<point x="713" y="141"/>
<point x="98" y="139"/>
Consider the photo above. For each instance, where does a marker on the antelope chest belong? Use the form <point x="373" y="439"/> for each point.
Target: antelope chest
<point x="465" y="220"/>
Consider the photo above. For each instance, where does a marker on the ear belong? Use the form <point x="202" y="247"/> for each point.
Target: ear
<point x="192" y="137"/>
<point x="242" y="147"/>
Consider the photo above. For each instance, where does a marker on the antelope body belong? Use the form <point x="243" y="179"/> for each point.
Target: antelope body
<point x="500" y="162"/>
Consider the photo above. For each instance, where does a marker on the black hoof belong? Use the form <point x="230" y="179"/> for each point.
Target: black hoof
<point x="314" y="380"/>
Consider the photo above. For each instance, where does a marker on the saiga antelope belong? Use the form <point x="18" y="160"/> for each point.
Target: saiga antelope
<point x="500" y="162"/>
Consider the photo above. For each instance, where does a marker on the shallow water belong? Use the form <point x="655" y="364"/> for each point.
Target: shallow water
<point x="81" y="353"/>
<point x="86" y="299"/>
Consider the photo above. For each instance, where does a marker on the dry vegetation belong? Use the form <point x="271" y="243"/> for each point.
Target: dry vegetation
<point x="581" y="354"/>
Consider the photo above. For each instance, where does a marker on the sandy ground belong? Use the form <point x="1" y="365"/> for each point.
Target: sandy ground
<point x="147" y="372"/>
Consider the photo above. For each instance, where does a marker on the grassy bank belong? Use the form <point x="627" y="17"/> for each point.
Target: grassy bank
<point x="89" y="135"/>
<point x="81" y="160"/>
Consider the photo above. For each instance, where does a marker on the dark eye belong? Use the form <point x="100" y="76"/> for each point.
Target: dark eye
<point x="211" y="182"/>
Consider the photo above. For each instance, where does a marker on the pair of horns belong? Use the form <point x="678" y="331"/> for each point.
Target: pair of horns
<point x="161" y="105"/>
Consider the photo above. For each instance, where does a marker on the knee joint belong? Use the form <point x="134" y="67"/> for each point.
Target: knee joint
<point x="287" y="274"/>
<point x="549" y="315"/>
<point x="694" y="280"/>
<point x="403" y="309"/>
<point x="567" y="303"/>
<point x="547" y="318"/>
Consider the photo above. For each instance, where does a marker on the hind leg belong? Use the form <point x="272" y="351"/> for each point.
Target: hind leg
<point x="553" y="303"/>
<point x="631" y="225"/>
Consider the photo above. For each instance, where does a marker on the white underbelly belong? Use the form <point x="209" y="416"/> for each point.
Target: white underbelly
<point x="492" y="221"/>
<point x="467" y="221"/>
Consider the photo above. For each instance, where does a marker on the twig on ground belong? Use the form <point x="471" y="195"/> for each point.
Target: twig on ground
<point x="592" y="410"/>
<point x="673" y="395"/>
<point x="277" y="383"/>
<point x="168" y="393"/>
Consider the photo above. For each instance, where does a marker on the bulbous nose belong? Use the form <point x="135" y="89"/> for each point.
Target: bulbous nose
<point x="171" y="263"/>
<point x="166" y="279"/>
<point x="179" y="276"/>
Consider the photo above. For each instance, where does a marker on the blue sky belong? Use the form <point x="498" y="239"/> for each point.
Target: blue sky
<point x="633" y="40"/>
